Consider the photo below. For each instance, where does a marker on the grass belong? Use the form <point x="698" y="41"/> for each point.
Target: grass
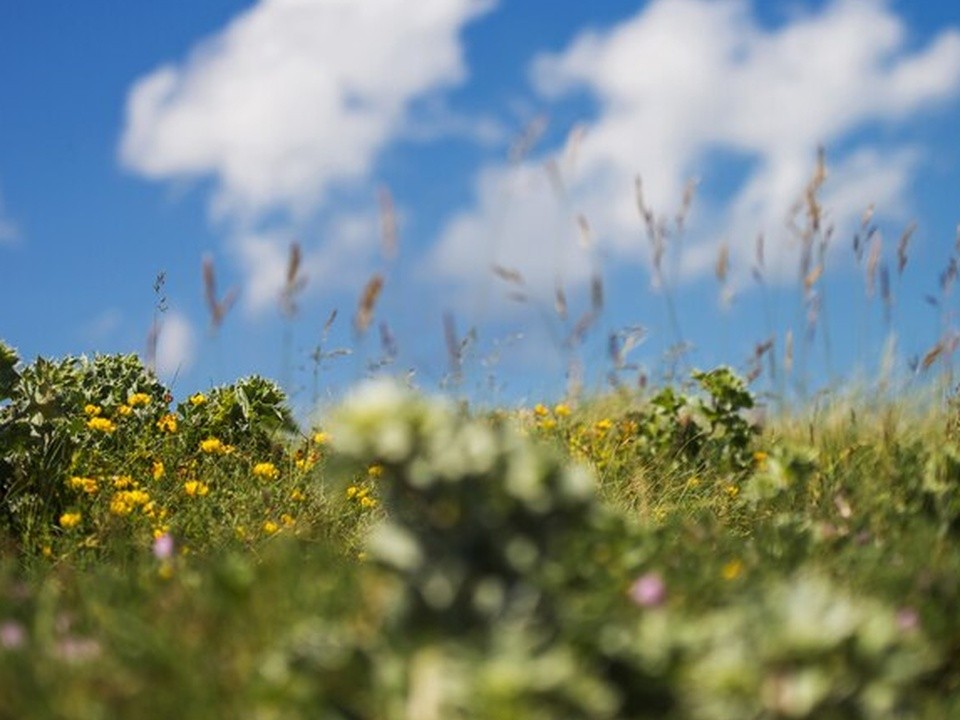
<point x="414" y="559"/>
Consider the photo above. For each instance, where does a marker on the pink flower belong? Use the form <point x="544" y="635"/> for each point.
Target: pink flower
<point x="163" y="547"/>
<point x="907" y="619"/>
<point x="12" y="635"/>
<point x="648" y="590"/>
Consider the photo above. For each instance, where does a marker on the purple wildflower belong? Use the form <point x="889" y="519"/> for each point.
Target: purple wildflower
<point x="163" y="547"/>
<point x="648" y="590"/>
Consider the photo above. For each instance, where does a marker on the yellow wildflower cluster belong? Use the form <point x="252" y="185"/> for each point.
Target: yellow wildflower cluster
<point x="196" y="488"/>
<point x="198" y="399"/>
<point x="602" y="426"/>
<point x="297" y="495"/>
<point x="547" y="419"/>
<point x="101" y="424"/>
<point x="126" y="501"/>
<point x="270" y="527"/>
<point x="266" y="471"/>
<point x="305" y="461"/>
<point x="361" y="496"/>
<point x="84" y="484"/>
<point x="92" y="410"/>
<point x="157" y="470"/>
<point x="541" y="414"/>
<point x="138" y="400"/>
<point x="215" y="446"/>
<point x="167" y="423"/>
<point x="70" y="520"/>
<point x="122" y="482"/>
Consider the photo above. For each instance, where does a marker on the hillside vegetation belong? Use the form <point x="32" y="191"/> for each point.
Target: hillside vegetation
<point x="637" y="555"/>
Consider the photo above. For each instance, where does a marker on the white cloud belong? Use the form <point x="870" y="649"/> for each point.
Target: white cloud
<point x="293" y="97"/>
<point x="682" y="79"/>
<point x="435" y="120"/>
<point x="176" y="345"/>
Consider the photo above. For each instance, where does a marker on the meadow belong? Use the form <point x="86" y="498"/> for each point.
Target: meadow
<point x="627" y="555"/>
<point x="684" y="549"/>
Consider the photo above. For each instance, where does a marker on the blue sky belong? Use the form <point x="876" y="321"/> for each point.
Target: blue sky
<point x="137" y="138"/>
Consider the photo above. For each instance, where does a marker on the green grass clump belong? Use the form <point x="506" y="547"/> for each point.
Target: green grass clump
<point x="632" y="556"/>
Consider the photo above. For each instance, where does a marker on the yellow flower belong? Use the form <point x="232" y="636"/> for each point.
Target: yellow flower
<point x="561" y="410"/>
<point x="540" y="410"/>
<point x="547" y="424"/>
<point x="102" y="424"/>
<point x="288" y="520"/>
<point x="732" y="570"/>
<point x="137" y="497"/>
<point x="124" y="410"/>
<point x="119" y="505"/>
<point x="157" y="469"/>
<point x="320" y="438"/>
<point x="266" y="471"/>
<point x="92" y="410"/>
<point x="270" y="527"/>
<point x="70" y="520"/>
<point x="367" y="502"/>
<point x="760" y="458"/>
<point x="241" y="532"/>
<point x="168" y="423"/>
<point x="138" y="399"/>
<point x="122" y="482"/>
<point x="87" y="485"/>
<point x="375" y="470"/>
<point x="731" y="490"/>
<point x="212" y="446"/>
<point x="198" y="399"/>
<point x="124" y="502"/>
<point x="297" y="495"/>
<point x="352" y="491"/>
<point x="159" y="532"/>
<point x="603" y="425"/>
<point x="305" y="463"/>
<point x="195" y="488"/>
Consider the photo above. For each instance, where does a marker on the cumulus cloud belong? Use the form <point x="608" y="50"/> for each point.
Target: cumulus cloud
<point x="293" y="98"/>
<point x="176" y="345"/>
<point x="682" y="80"/>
